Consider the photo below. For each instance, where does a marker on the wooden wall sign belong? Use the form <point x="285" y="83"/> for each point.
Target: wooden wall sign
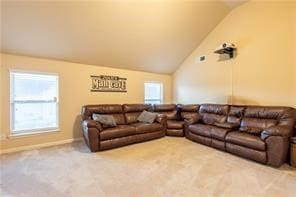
<point x="105" y="83"/>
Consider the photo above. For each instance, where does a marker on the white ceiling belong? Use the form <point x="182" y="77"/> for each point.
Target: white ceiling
<point x="153" y="36"/>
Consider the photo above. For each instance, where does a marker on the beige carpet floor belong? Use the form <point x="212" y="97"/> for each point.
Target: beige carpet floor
<point x="164" y="167"/>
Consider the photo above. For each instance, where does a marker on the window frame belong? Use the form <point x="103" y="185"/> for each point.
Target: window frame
<point x="25" y="132"/>
<point x="161" y="91"/>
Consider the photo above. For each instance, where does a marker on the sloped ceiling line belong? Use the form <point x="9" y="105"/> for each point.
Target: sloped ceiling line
<point x="146" y="36"/>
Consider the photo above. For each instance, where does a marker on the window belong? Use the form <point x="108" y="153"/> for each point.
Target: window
<point x="153" y="93"/>
<point x="34" y="102"/>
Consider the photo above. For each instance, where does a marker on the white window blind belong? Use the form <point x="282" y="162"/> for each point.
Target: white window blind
<point x="153" y="93"/>
<point x="34" y="102"/>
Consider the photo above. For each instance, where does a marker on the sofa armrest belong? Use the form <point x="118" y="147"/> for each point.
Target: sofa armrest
<point x="282" y="131"/>
<point x="277" y="148"/>
<point x="91" y="124"/>
<point x="228" y="125"/>
<point x="277" y="144"/>
<point x="91" y="130"/>
<point x="161" y="118"/>
<point x="191" y="120"/>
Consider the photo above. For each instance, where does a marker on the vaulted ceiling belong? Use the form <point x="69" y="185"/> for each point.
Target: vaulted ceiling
<point x="153" y="36"/>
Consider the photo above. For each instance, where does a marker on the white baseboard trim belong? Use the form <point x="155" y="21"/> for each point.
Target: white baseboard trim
<point x="36" y="146"/>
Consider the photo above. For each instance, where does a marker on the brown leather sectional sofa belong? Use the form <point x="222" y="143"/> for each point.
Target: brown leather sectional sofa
<point x="127" y="131"/>
<point x="255" y="132"/>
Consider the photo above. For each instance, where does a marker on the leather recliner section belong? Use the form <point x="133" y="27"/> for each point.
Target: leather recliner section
<point x="258" y="133"/>
<point x="174" y="127"/>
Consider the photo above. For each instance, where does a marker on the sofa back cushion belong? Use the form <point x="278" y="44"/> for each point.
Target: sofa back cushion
<point x="164" y="107"/>
<point x="235" y="114"/>
<point x="133" y="111"/>
<point x="256" y="126"/>
<point x="258" y="118"/>
<point x="188" y="111"/>
<point x="213" y="113"/>
<point x="170" y="110"/>
<point x="115" y="110"/>
<point x="288" y="117"/>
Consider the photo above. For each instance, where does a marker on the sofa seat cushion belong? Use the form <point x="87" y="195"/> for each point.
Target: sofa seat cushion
<point x="174" y="124"/>
<point x="118" y="131"/>
<point x="146" y="127"/>
<point x="219" y="133"/>
<point x="201" y="129"/>
<point x="246" y="140"/>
